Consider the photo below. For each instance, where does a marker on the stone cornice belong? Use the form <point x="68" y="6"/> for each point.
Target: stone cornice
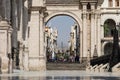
<point x="86" y="1"/>
<point x="37" y="8"/>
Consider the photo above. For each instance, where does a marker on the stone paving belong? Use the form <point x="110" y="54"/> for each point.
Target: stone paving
<point x="59" y="75"/>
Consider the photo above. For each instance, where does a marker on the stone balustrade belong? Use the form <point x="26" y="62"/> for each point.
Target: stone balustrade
<point x="97" y="69"/>
<point x="116" y="68"/>
<point x="103" y="68"/>
<point x="93" y="68"/>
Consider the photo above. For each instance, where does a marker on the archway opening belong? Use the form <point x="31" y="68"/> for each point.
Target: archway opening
<point x="62" y="39"/>
<point x="108" y="48"/>
<point x="108" y="26"/>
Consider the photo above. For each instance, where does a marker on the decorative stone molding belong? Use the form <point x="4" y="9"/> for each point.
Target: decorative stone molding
<point x="5" y="30"/>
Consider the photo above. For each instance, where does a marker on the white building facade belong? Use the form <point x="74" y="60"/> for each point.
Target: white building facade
<point x="29" y="17"/>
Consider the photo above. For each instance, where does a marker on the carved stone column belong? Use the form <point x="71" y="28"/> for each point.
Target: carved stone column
<point x="119" y="3"/>
<point x="99" y="32"/>
<point x="37" y="59"/>
<point x="84" y="54"/>
<point x="25" y="32"/>
<point x="25" y="57"/>
<point x="5" y="46"/>
<point x="42" y="52"/>
<point x="20" y="32"/>
<point x="9" y="50"/>
<point x="34" y="41"/>
<point x="92" y="28"/>
<point x="114" y="3"/>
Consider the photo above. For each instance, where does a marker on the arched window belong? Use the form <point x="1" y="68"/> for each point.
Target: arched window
<point x="109" y="24"/>
<point x="116" y="3"/>
<point x="110" y="3"/>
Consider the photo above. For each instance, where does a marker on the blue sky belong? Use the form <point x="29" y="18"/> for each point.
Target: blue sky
<point x="63" y="25"/>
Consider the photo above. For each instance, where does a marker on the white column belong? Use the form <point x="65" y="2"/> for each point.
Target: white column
<point x="99" y="37"/>
<point x="99" y="33"/>
<point x="114" y="3"/>
<point x="34" y="41"/>
<point x="119" y="3"/>
<point x="9" y="51"/>
<point x="25" y="28"/>
<point x="81" y="45"/>
<point x="102" y="30"/>
<point x="84" y="54"/>
<point x="20" y="33"/>
<point x="42" y="52"/>
<point x="92" y="29"/>
<point x="4" y="26"/>
<point x="25" y="58"/>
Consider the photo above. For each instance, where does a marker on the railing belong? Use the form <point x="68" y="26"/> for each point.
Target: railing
<point x="62" y="1"/>
<point x="101" y="60"/>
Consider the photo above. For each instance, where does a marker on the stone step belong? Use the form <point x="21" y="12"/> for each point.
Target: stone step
<point x="65" y="66"/>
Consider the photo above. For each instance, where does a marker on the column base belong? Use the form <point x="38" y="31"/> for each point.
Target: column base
<point x="83" y="59"/>
<point x="4" y="64"/>
<point x="10" y="66"/>
<point x="37" y="64"/>
<point x="25" y="61"/>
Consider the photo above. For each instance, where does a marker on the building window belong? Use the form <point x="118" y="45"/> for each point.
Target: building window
<point x="116" y="3"/>
<point x="109" y="24"/>
<point x="110" y="3"/>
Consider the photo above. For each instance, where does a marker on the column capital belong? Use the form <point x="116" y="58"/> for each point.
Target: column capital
<point x="40" y="9"/>
<point x="84" y="3"/>
<point x="92" y="3"/>
<point x="4" y="25"/>
<point x="98" y="15"/>
<point x="84" y="15"/>
<point x="10" y="29"/>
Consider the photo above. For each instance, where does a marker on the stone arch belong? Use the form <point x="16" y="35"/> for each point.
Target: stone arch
<point x="75" y="17"/>
<point x="109" y="24"/>
<point x="106" y="18"/>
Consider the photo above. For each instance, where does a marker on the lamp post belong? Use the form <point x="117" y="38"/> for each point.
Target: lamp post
<point x="46" y="42"/>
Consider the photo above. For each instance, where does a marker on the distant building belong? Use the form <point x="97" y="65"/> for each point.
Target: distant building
<point x="74" y="39"/>
<point x="51" y="35"/>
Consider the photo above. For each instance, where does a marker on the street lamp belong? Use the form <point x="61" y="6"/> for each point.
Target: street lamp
<point x="46" y="29"/>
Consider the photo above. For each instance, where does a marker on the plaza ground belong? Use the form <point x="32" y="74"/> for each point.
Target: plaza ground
<point x="59" y="75"/>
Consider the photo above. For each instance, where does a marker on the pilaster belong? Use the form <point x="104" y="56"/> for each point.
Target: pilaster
<point x="114" y="3"/>
<point x="9" y="50"/>
<point x="26" y="58"/>
<point x="42" y="52"/>
<point x="5" y="42"/>
<point x="119" y="3"/>
<point x="36" y="39"/>
<point x="92" y="28"/>
<point x="99" y="32"/>
<point x="84" y="54"/>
